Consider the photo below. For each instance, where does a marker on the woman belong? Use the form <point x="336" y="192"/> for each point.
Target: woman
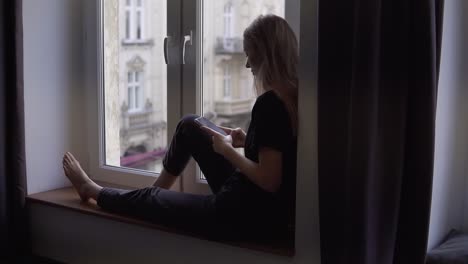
<point x="253" y="195"/>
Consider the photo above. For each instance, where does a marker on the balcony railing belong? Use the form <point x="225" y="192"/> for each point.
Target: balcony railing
<point x="229" y="46"/>
<point x="139" y="121"/>
<point x="233" y="107"/>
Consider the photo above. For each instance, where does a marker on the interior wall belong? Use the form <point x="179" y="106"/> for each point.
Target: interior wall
<point x="53" y="90"/>
<point x="449" y="195"/>
<point x="99" y="240"/>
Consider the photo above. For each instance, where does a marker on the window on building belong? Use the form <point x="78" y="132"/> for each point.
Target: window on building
<point x="134" y="20"/>
<point x="228" y="20"/>
<point x="227" y="81"/>
<point x="135" y="91"/>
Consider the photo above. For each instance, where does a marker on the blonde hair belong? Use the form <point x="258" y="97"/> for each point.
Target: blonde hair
<point x="273" y="50"/>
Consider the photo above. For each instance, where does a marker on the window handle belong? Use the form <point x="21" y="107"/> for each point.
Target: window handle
<point x="187" y="39"/>
<point x="166" y="49"/>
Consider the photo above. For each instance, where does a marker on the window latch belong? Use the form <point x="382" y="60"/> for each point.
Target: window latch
<point x="187" y="39"/>
<point x="166" y="49"/>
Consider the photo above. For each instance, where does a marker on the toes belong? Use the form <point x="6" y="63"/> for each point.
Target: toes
<point x="69" y="157"/>
<point x="73" y="159"/>
<point x="66" y="162"/>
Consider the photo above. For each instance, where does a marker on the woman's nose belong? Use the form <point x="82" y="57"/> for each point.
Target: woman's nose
<point x="247" y="64"/>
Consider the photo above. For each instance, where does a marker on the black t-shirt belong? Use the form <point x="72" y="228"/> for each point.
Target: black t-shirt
<point x="270" y="127"/>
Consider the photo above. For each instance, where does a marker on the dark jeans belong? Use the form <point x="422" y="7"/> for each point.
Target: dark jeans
<point x="198" y="213"/>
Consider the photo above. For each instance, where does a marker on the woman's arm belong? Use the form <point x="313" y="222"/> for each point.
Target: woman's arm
<point x="266" y="173"/>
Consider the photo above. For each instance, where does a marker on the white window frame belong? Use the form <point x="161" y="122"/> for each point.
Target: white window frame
<point x="131" y="20"/>
<point x="96" y="164"/>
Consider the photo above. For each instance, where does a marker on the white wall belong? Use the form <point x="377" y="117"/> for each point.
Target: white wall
<point x="54" y="98"/>
<point x="54" y="90"/>
<point x="449" y="195"/>
<point x="98" y="240"/>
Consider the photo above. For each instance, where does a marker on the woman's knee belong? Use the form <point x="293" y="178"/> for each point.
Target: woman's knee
<point x="188" y="122"/>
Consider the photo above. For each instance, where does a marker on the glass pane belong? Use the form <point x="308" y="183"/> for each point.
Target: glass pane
<point x="227" y="81"/>
<point x="228" y="92"/>
<point x="137" y="97"/>
<point x="130" y="77"/>
<point x="130" y="98"/>
<point x="135" y="92"/>
<point x="138" y="25"/>
<point x="127" y="24"/>
<point x="137" y="77"/>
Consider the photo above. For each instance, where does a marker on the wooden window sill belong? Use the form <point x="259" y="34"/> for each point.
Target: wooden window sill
<point x="67" y="198"/>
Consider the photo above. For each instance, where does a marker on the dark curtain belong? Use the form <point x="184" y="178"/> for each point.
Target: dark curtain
<point x="12" y="156"/>
<point x="378" y="73"/>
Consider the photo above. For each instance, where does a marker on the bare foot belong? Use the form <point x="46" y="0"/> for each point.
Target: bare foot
<point x="85" y="187"/>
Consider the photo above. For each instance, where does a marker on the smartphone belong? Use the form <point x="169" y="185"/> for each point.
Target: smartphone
<point x="205" y="122"/>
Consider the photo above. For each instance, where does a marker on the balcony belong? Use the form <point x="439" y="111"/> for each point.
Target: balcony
<point x="233" y="107"/>
<point x="139" y="122"/>
<point x="229" y="46"/>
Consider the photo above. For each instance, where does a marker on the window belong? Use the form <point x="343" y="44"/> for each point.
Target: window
<point x="135" y="91"/>
<point x="133" y="20"/>
<point x="227" y="81"/>
<point x="142" y="99"/>
<point x="228" y="20"/>
<point x="226" y="86"/>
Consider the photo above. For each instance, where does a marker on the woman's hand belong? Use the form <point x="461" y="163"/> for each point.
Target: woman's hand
<point x="266" y="173"/>
<point x="221" y="143"/>
<point x="238" y="136"/>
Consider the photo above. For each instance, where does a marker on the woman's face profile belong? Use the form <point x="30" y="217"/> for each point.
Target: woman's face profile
<point x="249" y="65"/>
